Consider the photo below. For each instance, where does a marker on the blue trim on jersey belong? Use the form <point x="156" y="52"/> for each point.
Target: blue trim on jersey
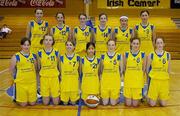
<point x="116" y="31"/>
<point x="70" y="58"/>
<point x="130" y="31"/>
<point x="123" y="30"/>
<point x="78" y="58"/>
<point x="32" y="24"/>
<point x="144" y="26"/>
<point x="75" y="30"/>
<point x="118" y="57"/>
<point x="137" y="27"/>
<point x="152" y="56"/>
<point x="26" y="56"/>
<point x="67" y="29"/>
<point x="35" y="57"/>
<point x="98" y="60"/>
<point x="62" y="58"/>
<point x="82" y="28"/>
<point x="109" y="30"/>
<point x="127" y="54"/>
<point x="40" y="54"/>
<point x="46" y="24"/>
<point x="135" y="54"/>
<point x="152" y="27"/>
<point x="102" y="56"/>
<point x="168" y="56"/>
<point x="95" y="30"/>
<point x="142" y="54"/>
<point x="82" y="60"/>
<point x="56" y="53"/>
<point x="17" y="58"/>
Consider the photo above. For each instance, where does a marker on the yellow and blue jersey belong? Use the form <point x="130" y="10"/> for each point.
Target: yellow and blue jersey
<point x="25" y="68"/>
<point x="111" y="71"/>
<point x="134" y="70"/>
<point x="69" y="73"/>
<point x="90" y="80"/>
<point x="101" y="38"/>
<point x="60" y="36"/>
<point x="159" y="66"/>
<point x="49" y="63"/>
<point x="82" y="36"/>
<point x="38" y="30"/>
<point x="123" y="39"/>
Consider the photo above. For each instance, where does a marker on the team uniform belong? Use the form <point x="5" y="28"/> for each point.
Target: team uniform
<point x="145" y="34"/>
<point x="60" y="36"/>
<point x="159" y="77"/>
<point x="38" y="30"/>
<point x="101" y="38"/>
<point x="69" y="78"/>
<point x="82" y="36"/>
<point x="134" y="78"/>
<point x="122" y="39"/>
<point x="25" y="78"/>
<point x="90" y="79"/>
<point x="49" y="80"/>
<point x="110" y="82"/>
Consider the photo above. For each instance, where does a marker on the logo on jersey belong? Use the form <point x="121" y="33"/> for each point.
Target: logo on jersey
<point x="86" y="33"/>
<point x="114" y="62"/>
<point x="31" y="60"/>
<point x="94" y="65"/>
<point x="138" y="60"/>
<point x="43" y="28"/>
<point x="164" y="61"/>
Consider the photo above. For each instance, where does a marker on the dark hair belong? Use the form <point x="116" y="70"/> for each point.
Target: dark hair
<point x="159" y="38"/>
<point x="89" y="44"/>
<point x="70" y="40"/>
<point x="102" y="14"/>
<point x="38" y="9"/>
<point x="41" y="42"/>
<point x="144" y="11"/>
<point x="111" y="40"/>
<point x="62" y="15"/>
<point x="135" y="38"/>
<point x="24" y="39"/>
<point x="83" y="14"/>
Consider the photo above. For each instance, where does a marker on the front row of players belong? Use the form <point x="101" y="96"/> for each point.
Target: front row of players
<point x="66" y="77"/>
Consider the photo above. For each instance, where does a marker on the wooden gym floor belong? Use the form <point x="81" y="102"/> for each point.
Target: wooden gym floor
<point x="8" y="108"/>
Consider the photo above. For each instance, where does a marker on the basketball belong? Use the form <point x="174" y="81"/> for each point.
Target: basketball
<point x="92" y="101"/>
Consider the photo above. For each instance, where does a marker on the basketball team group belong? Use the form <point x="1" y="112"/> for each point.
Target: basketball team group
<point x="66" y="64"/>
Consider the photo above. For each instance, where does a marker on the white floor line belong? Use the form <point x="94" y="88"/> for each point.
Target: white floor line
<point x="4" y="71"/>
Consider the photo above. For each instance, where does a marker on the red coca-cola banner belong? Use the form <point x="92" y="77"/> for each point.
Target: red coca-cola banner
<point x="32" y="3"/>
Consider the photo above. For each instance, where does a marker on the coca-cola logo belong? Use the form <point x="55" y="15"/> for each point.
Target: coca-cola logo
<point x="32" y="3"/>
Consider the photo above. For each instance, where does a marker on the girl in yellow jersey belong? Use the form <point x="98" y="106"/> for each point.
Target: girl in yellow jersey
<point x="70" y="63"/>
<point x="82" y="35"/>
<point x="122" y="34"/>
<point x="48" y="66"/>
<point x="111" y="66"/>
<point x="60" y="32"/>
<point x="134" y="63"/>
<point x="36" y="29"/>
<point x="90" y="69"/>
<point x="146" y="32"/>
<point x="159" y="60"/>
<point x="102" y="33"/>
<point x="23" y="68"/>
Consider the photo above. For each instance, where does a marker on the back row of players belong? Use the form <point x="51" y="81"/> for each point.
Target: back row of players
<point x="60" y="73"/>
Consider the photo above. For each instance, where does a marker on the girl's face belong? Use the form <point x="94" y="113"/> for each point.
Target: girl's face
<point x="144" y="16"/>
<point x="135" y="45"/>
<point x="69" y="46"/>
<point x="48" y="41"/>
<point x="111" y="46"/>
<point x="159" y="44"/>
<point x="82" y="19"/>
<point x="26" y="46"/>
<point x="60" y="18"/>
<point x="39" y="14"/>
<point x="91" y="50"/>
<point x="124" y="22"/>
<point x="103" y="19"/>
